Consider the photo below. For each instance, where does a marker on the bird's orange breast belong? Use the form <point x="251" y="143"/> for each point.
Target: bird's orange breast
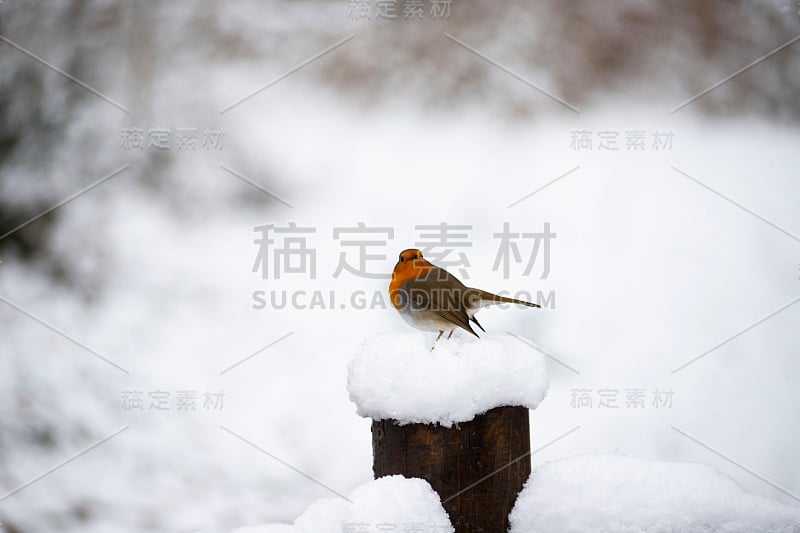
<point x="403" y="272"/>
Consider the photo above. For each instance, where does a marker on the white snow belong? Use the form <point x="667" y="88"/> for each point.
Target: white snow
<point x="397" y="376"/>
<point x="589" y="493"/>
<point x="404" y="503"/>
<point x="165" y="283"/>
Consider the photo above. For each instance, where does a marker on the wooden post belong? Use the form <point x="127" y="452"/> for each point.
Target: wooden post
<point x="476" y="467"/>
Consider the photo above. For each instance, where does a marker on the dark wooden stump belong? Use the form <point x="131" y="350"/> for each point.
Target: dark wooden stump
<point x="476" y="467"/>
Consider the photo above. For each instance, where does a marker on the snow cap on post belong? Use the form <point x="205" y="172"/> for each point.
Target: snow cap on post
<point x="397" y="376"/>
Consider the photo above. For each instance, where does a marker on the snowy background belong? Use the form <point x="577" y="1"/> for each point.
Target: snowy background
<point x="398" y="126"/>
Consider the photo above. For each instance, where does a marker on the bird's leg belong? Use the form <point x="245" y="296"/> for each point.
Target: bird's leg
<point x="451" y="333"/>
<point x="437" y="339"/>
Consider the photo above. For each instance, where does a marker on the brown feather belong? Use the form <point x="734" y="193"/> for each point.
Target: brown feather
<point x="496" y="299"/>
<point x="441" y="294"/>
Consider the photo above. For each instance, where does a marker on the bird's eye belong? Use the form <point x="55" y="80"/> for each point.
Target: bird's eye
<point x="401" y="258"/>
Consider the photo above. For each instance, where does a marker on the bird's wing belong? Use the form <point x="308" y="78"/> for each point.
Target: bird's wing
<point x="440" y="293"/>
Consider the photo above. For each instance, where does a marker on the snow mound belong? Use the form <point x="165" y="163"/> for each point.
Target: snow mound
<point x="395" y="375"/>
<point x="395" y="502"/>
<point x="614" y="493"/>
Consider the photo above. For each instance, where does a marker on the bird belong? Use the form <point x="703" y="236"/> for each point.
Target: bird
<point x="431" y="299"/>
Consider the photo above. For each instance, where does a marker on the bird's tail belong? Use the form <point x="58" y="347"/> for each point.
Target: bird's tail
<point x="487" y="298"/>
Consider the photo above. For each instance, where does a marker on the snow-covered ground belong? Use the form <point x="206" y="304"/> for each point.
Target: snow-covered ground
<point x="580" y="494"/>
<point x="596" y="493"/>
<point x="385" y="504"/>
<point x="648" y="270"/>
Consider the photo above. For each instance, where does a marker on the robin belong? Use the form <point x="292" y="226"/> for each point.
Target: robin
<point x="431" y="299"/>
